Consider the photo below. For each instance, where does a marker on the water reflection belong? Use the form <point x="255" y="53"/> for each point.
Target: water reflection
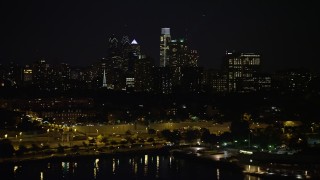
<point x="145" y="170"/>
<point x="126" y="167"/>
<point x="95" y="168"/>
<point x="113" y="166"/>
<point x="293" y="171"/>
<point x="65" y="168"/>
<point x="15" y="169"/>
<point x="158" y="163"/>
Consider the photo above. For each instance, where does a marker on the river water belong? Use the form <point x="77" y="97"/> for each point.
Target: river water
<point x="119" y="167"/>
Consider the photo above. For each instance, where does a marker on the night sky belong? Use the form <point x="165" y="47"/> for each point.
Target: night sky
<point x="286" y="33"/>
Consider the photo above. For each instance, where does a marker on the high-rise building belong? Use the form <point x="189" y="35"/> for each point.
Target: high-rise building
<point x="27" y="74"/>
<point x="178" y="58"/>
<point x="241" y="68"/>
<point x="143" y="74"/>
<point x="193" y="58"/>
<point x="42" y="73"/>
<point x="113" y="46"/>
<point x="215" y="81"/>
<point x="165" y="39"/>
<point x="178" y="53"/>
<point x="263" y="82"/>
<point x="191" y="79"/>
<point x="291" y="80"/>
<point x="162" y="80"/>
<point x="104" y="80"/>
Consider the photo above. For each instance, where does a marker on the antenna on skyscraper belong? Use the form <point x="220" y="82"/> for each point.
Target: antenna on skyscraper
<point x="104" y="80"/>
<point x="186" y="35"/>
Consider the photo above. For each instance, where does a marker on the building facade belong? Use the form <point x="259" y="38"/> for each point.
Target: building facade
<point x="165" y="39"/>
<point x="241" y="69"/>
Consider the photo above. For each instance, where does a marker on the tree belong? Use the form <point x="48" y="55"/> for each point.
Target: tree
<point x="75" y="148"/>
<point x="6" y="148"/>
<point x="60" y="149"/>
<point x="99" y="138"/>
<point x="105" y="140"/>
<point x="226" y="136"/>
<point x="22" y="149"/>
<point x="240" y="129"/>
<point x="84" y="144"/>
<point x="45" y="147"/>
<point x="192" y="134"/>
<point x="35" y="147"/>
<point x="128" y="132"/>
<point x="130" y="140"/>
<point x="166" y="133"/>
<point x="92" y="141"/>
<point x="151" y="131"/>
<point x="174" y="136"/>
<point x="113" y="142"/>
<point x="205" y="135"/>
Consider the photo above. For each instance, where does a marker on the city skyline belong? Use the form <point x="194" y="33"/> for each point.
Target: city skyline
<point x="284" y="33"/>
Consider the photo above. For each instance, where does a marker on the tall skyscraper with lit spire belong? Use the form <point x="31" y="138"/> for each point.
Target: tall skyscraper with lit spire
<point x="104" y="81"/>
<point x="165" y="39"/>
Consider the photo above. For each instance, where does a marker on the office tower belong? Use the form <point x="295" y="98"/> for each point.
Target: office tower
<point x="27" y="74"/>
<point x="165" y="39"/>
<point x="143" y="74"/>
<point x="125" y="46"/>
<point x="135" y="47"/>
<point x="191" y="79"/>
<point x="162" y="80"/>
<point x="42" y="73"/>
<point x="193" y="58"/>
<point x="14" y="74"/>
<point x="104" y="80"/>
<point x="113" y="46"/>
<point x="133" y="57"/>
<point x="241" y="68"/>
<point x="215" y="81"/>
<point x="291" y="80"/>
<point x="178" y="58"/>
<point x="178" y="53"/>
<point x="263" y="82"/>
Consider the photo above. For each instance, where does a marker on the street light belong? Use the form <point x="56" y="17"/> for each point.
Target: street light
<point x="6" y="136"/>
<point x="249" y="138"/>
<point x="97" y="131"/>
<point x="48" y="130"/>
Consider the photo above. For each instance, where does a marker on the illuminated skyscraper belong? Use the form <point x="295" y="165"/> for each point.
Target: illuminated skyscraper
<point x="165" y="39"/>
<point x="193" y="58"/>
<point x="178" y="53"/>
<point x="27" y="74"/>
<point x="104" y="80"/>
<point x="178" y="57"/>
<point x="113" y="46"/>
<point x="241" y="70"/>
<point x="143" y="73"/>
